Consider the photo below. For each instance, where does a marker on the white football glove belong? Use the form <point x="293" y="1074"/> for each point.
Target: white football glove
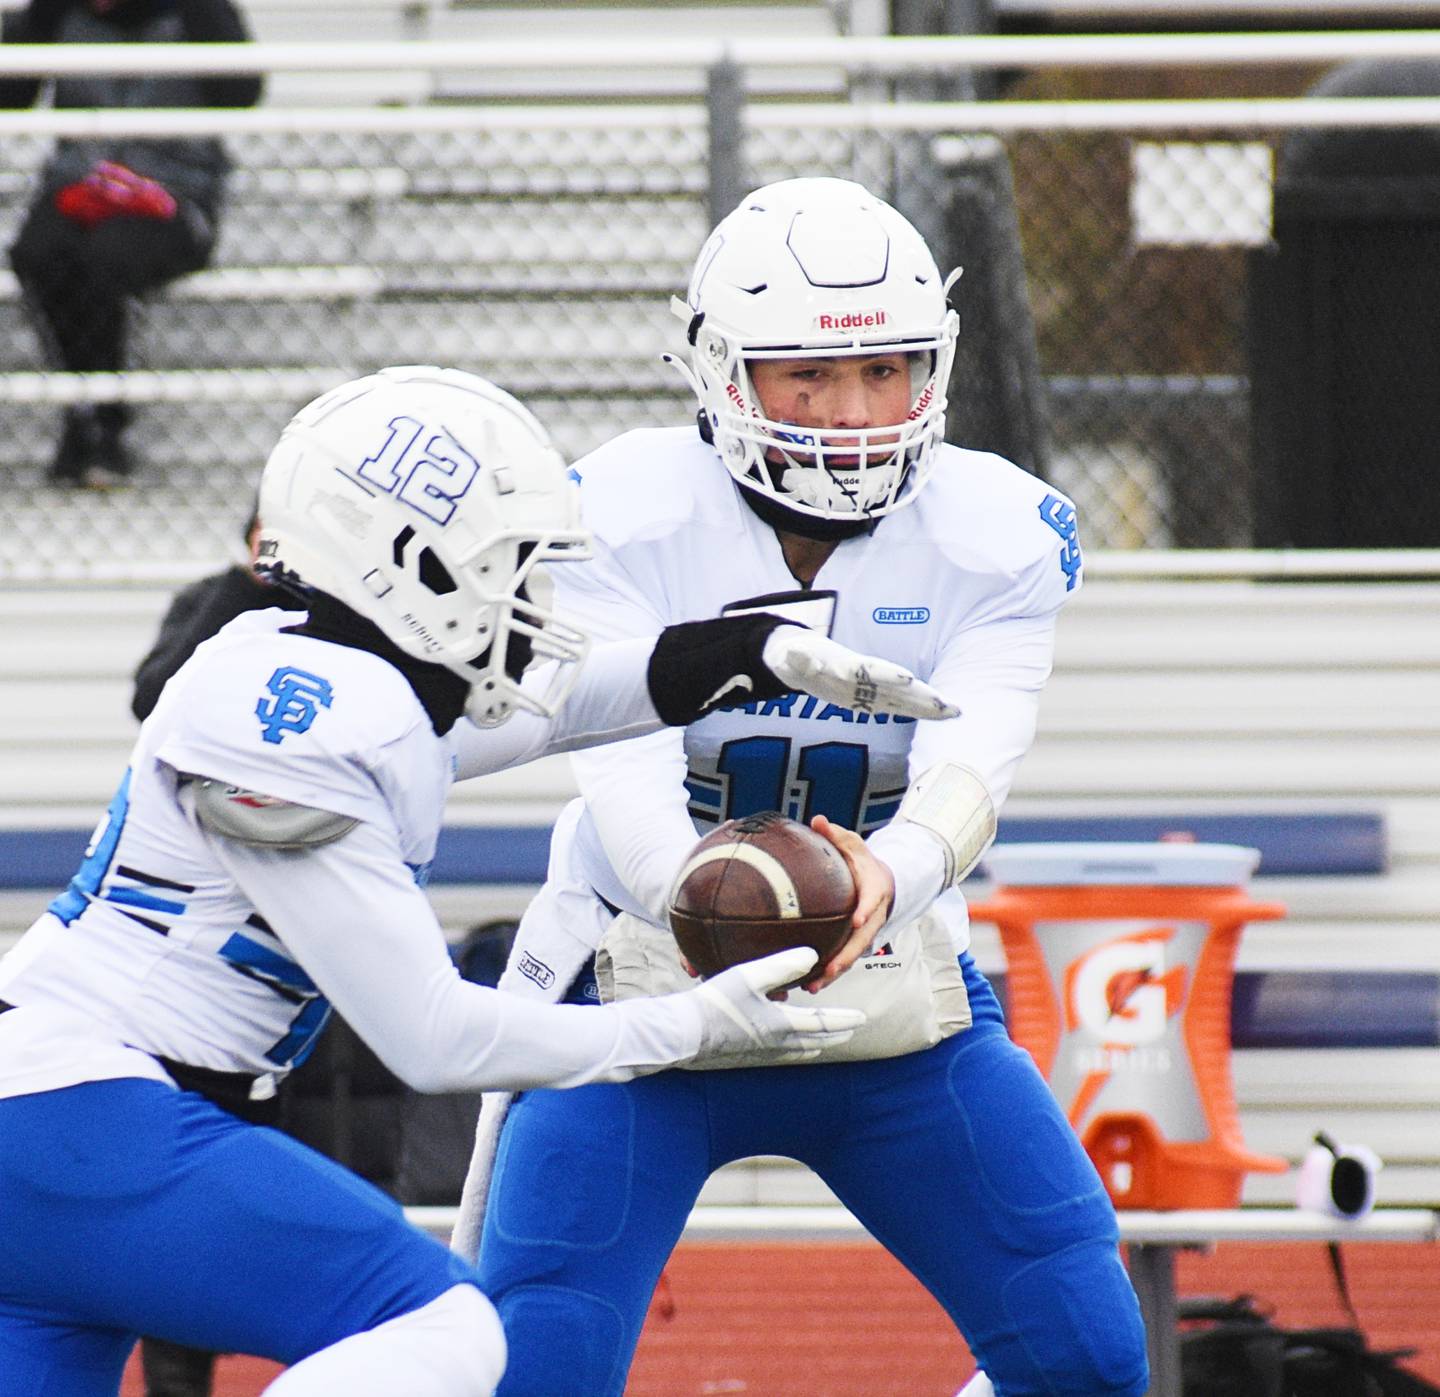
<point x="737" y="1017"/>
<point x="805" y="659"/>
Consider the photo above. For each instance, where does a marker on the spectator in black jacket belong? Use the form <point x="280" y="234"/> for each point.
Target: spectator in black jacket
<point x="116" y="217"/>
<point x="196" y="612"/>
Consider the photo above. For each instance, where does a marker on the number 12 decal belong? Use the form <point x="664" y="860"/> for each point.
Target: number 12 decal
<point x="430" y="479"/>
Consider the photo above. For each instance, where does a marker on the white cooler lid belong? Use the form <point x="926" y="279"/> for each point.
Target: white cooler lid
<point x="1135" y="865"/>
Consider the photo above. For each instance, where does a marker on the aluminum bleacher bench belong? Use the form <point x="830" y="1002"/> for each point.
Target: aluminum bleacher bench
<point x="329" y="285"/>
<point x="173" y="385"/>
<point x="257" y="284"/>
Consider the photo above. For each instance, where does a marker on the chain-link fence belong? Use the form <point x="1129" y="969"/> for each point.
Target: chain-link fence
<point x="1103" y="311"/>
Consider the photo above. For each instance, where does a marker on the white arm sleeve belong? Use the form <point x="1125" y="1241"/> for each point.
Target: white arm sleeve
<point x="996" y="670"/>
<point x="610" y="701"/>
<point x="635" y="792"/>
<point x="636" y="796"/>
<point x="351" y="915"/>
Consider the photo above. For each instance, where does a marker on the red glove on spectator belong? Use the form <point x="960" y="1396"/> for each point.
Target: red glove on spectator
<point x="111" y="189"/>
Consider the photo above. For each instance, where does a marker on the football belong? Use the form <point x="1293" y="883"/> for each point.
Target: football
<point x="757" y="885"/>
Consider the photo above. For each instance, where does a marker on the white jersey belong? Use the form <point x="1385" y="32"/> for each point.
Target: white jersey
<point x="172" y="942"/>
<point x="962" y="587"/>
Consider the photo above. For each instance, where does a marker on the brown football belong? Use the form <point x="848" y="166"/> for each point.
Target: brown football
<point x="757" y="885"/>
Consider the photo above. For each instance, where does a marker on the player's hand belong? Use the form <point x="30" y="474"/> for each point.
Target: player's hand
<point x="875" y="895"/>
<point x="805" y="659"/>
<point x="737" y="1016"/>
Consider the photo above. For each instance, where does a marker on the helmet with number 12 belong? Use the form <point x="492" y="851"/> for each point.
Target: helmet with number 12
<point x="428" y="500"/>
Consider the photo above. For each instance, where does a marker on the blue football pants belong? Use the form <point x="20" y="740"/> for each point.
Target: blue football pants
<point x="127" y="1208"/>
<point x="957" y="1159"/>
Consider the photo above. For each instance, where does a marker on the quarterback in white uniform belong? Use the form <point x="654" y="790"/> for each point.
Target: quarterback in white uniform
<point x="817" y="482"/>
<point x="263" y="859"/>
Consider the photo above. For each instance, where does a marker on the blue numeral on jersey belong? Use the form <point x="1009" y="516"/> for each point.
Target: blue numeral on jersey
<point x="99" y="854"/>
<point x="834" y="774"/>
<point x="1060" y="516"/>
<point x="757" y="767"/>
<point x="304" y="1034"/>
<point x="284" y="977"/>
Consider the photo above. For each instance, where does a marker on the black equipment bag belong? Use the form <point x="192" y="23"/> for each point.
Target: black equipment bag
<point x="1229" y="1348"/>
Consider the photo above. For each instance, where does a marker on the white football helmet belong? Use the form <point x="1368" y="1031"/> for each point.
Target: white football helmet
<point x="427" y="500"/>
<point x="812" y="268"/>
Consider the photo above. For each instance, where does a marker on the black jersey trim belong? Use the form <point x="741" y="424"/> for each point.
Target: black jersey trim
<point x="153" y="880"/>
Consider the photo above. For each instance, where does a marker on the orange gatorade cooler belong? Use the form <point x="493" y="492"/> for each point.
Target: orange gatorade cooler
<point x="1120" y="959"/>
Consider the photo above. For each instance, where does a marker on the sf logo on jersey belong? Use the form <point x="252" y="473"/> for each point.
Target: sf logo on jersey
<point x="1060" y="516"/>
<point x="298" y="697"/>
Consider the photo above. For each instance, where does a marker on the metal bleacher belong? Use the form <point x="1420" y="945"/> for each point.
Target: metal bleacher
<point x="340" y="253"/>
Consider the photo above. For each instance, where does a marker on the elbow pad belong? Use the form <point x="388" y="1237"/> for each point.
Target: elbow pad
<point x="954" y="804"/>
<point x="261" y="821"/>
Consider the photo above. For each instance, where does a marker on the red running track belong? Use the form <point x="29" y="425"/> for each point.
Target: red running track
<point x="793" y="1319"/>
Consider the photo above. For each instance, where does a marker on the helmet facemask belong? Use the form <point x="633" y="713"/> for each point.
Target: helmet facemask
<point x="830" y="472"/>
<point x="528" y="634"/>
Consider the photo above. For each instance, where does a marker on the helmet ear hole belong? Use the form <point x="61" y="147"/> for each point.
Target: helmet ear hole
<point x="435" y="575"/>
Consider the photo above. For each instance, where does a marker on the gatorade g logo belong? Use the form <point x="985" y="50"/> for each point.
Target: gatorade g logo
<point x="298" y="697"/>
<point x="1121" y="992"/>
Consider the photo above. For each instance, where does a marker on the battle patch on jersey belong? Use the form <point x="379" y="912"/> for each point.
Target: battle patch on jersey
<point x="297" y="698"/>
<point x="900" y="615"/>
<point x="248" y="817"/>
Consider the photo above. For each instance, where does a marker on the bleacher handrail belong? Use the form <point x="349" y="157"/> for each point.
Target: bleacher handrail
<point x="1159" y="114"/>
<point x="874" y="56"/>
<point x="1192" y="11"/>
<point x="1188" y="565"/>
<point x="271" y="121"/>
<point x="1245" y="113"/>
<point x="1214" y="564"/>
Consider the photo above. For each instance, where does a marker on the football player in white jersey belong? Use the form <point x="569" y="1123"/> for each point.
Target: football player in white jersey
<point x="263" y="858"/>
<point x="821" y="341"/>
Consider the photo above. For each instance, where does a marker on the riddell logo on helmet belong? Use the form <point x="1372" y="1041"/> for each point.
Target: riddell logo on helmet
<point x="922" y="403"/>
<point x="851" y="320"/>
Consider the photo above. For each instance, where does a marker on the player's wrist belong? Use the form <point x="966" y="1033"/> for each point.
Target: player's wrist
<point x="701" y="665"/>
<point x="917" y="863"/>
<point x="667" y="1030"/>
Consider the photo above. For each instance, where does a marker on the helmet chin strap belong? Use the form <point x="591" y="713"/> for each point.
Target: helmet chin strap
<point x="827" y="487"/>
<point x="820" y="489"/>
